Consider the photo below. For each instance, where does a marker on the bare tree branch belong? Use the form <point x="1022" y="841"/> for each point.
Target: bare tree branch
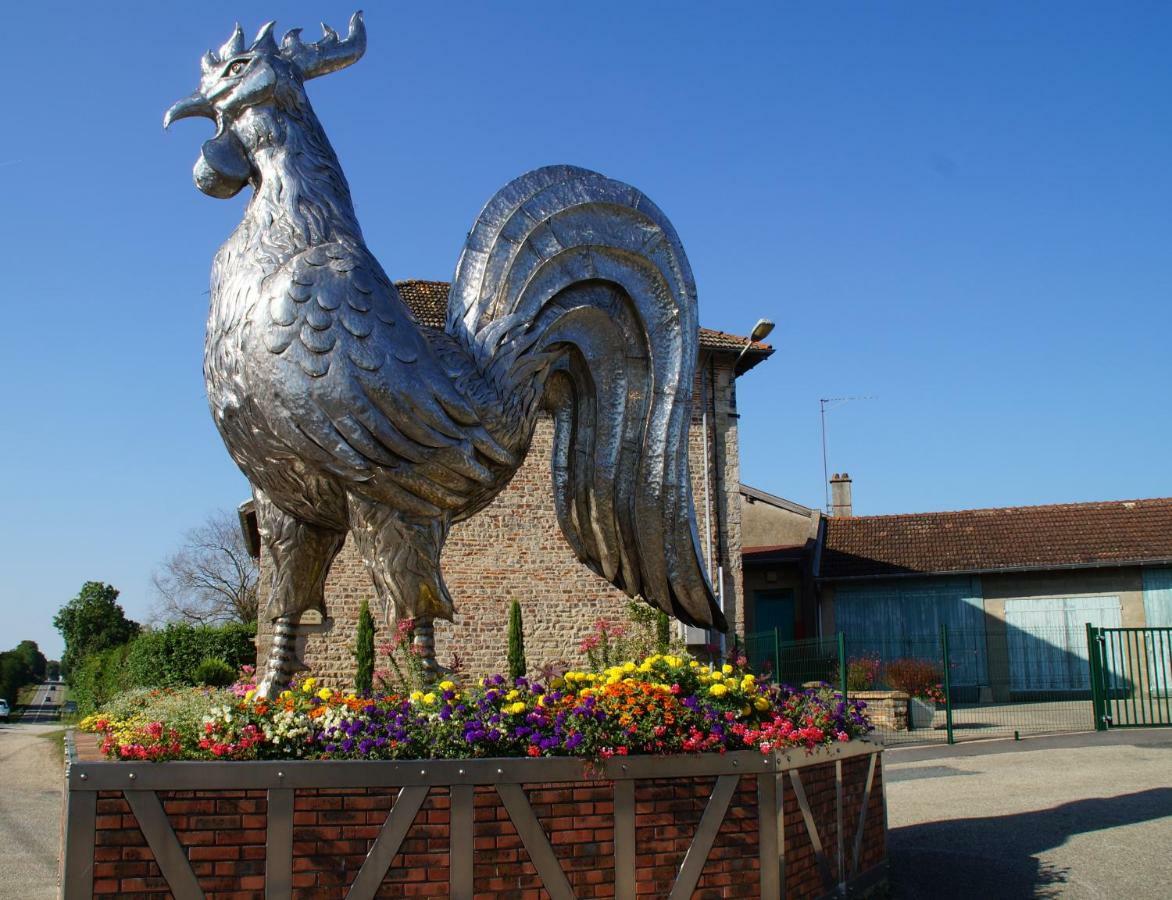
<point x="210" y="579"/>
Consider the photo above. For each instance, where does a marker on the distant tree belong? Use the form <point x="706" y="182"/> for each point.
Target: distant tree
<point x="34" y="659"/>
<point x="53" y="670"/>
<point x="364" y="650"/>
<point x="210" y="579"/>
<point x="517" y="664"/>
<point x="90" y="622"/>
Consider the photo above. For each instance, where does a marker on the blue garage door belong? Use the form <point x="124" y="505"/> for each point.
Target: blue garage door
<point x="896" y="619"/>
<point x="1047" y="640"/>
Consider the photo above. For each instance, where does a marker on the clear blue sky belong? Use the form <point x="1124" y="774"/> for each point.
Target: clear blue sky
<point x="962" y="209"/>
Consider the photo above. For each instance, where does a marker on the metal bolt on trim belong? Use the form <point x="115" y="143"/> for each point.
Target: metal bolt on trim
<point x="132" y="776"/>
<point x="83" y="776"/>
<point x="280" y="774"/>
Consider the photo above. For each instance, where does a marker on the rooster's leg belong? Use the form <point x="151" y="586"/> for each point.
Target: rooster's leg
<point x="402" y="554"/>
<point x="301" y="555"/>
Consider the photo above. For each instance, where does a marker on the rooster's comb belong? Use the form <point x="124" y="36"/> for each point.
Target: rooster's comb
<point x="319" y="58"/>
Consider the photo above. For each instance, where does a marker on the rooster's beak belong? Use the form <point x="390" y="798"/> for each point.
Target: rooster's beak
<point x="195" y="105"/>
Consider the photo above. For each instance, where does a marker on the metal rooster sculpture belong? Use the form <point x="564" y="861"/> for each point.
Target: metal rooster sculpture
<point x="572" y="294"/>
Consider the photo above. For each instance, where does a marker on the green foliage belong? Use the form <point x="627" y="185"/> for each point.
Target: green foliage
<point x="214" y="672"/>
<point x="170" y="657"/>
<point x="90" y="622"/>
<point x="517" y="664"/>
<point x="24" y="664"/>
<point x="53" y="669"/>
<point x="662" y="632"/>
<point x="99" y="677"/>
<point x="33" y="658"/>
<point x="364" y="651"/>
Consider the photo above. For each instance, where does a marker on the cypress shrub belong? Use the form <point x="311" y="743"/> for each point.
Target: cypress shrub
<point x="517" y="665"/>
<point x="364" y="651"/>
<point x="662" y="632"/>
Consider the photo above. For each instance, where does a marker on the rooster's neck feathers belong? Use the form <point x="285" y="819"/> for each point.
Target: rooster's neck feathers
<point x="302" y="198"/>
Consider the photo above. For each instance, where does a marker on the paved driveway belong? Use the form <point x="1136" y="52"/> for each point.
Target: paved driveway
<point x="1072" y="816"/>
<point x="30" y="812"/>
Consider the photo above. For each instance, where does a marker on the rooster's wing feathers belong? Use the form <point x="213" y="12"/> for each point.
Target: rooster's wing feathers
<point x="360" y="380"/>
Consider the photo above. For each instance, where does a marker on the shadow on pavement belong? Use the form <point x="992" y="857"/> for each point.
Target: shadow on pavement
<point x="993" y="856"/>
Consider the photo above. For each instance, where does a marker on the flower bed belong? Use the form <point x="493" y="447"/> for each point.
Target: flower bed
<point x="662" y="705"/>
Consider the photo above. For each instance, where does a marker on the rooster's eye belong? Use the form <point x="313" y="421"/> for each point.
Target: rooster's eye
<point x="237" y="67"/>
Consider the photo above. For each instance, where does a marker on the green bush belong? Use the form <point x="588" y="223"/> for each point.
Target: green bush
<point x="364" y="651"/>
<point x="169" y="657"/>
<point x="517" y="664"/>
<point x="98" y="677"/>
<point x="214" y="672"/>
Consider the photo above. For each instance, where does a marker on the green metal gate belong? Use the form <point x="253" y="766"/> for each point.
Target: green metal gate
<point x="1131" y="676"/>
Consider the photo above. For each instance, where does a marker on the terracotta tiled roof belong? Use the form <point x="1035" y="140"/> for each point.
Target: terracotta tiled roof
<point x="981" y="540"/>
<point x="429" y="301"/>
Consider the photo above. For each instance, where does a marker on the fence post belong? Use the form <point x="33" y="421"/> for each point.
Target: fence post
<point x="842" y="673"/>
<point x="776" y="656"/>
<point x="1095" y="661"/>
<point x="947" y="661"/>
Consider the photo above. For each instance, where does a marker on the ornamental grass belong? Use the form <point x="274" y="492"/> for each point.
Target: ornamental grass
<point x="663" y="704"/>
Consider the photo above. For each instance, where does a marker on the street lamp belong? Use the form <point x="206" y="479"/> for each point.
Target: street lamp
<point x="759" y="333"/>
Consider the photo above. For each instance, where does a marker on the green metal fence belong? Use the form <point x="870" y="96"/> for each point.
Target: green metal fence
<point x="996" y="682"/>
<point x="1131" y="675"/>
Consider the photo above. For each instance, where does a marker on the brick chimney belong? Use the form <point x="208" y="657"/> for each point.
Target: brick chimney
<point x="840" y="495"/>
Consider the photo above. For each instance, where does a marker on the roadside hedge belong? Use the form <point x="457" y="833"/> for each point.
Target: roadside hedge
<point x="166" y="657"/>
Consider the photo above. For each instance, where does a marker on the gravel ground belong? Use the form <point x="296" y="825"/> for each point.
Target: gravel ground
<point x="1072" y="816"/>
<point x="30" y="812"/>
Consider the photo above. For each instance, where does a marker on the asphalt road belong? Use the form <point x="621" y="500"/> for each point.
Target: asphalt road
<point x="45" y="705"/>
<point x="1071" y="816"/>
<point x="30" y="812"/>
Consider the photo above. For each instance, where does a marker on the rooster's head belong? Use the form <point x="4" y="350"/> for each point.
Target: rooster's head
<point x="239" y="83"/>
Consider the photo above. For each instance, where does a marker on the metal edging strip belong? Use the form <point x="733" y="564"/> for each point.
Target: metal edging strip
<point x="624" y="839"/>
<point x="863" y="817"/>
<point x="812" y="830"/>
<point x="294" y="774"/>
<point x="77" y="881"/>
<point x="706" y="831"/>
<point x="279" y="844"/>
<point x="386" y="845"/>
<point x="840" y="855"/>
<point x="462" y="824"/>
<point x="545" y="861"/>
<point x="168" y="852"/>
<point x="770" y="836"/>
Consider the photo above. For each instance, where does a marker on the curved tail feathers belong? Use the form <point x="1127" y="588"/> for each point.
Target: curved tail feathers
<point x="573" y="293"/>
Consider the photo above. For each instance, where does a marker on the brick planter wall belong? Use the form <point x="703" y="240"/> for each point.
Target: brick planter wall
<point x="625" y="829"/>
<point x="886" y="709"/>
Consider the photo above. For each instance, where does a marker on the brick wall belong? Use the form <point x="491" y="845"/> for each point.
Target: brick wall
<point x="514" y="549"/>
<point x="223" y="836"/>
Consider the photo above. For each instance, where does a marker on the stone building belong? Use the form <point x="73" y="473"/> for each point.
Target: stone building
<point x="1015" y="587"/>
<point x="514" y="549"/>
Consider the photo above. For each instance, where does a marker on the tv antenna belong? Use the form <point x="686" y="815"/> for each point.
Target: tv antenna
<point x="825" y="405"/>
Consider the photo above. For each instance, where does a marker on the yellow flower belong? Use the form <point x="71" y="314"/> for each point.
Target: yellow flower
<point x="517" y="708"/>
<point x="248" y="695"/>
<point x="762" y="704"/>
<point x="416" y="696"/>
<point x="285" y="695"/>
<point x="718" y="690"/>
<point x="308" y="684"/>
<point x="447" y="685"/>
<point x="513" y="694"/>
<point x="746" y="709"/>
<point x="325" y="694"/>
<point x="726" y="669"/>
<point x="429" y="699"/>
<point x="628" y="666"/>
